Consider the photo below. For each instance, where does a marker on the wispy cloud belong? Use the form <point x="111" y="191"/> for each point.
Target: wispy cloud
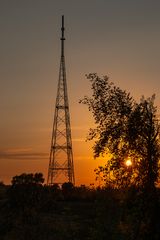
<point x="24" y="154"/>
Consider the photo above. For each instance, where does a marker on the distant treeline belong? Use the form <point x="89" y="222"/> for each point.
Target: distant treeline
<point x="30" y="210"/>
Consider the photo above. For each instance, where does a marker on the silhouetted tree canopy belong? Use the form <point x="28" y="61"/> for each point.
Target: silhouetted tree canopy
<point x="2" y="183"/>
<point x="124" y="129"/>
<point x="28" y="178"/>
<point x="26" y="189"/>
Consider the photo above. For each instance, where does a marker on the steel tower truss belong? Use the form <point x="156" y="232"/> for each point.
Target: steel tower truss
<point x="61" y="168"/>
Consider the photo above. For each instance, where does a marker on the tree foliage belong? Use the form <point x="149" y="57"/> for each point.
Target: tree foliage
<point x="28" y="178"/>
<point x="124" y="129"/>
<point x="26" y="189"/>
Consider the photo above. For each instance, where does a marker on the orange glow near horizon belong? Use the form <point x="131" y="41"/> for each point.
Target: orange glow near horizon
<point x="34" y="157"/>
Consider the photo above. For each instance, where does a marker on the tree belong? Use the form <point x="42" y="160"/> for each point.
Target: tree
<point x="67" y="189"/>
<point x="124" y="129"/>
<point x="128" y="130"/>
<point x="2" y="184"/>
<point x="30" y="178"/>
<point x="26" y="190"/>
<point x="143" y="137"/>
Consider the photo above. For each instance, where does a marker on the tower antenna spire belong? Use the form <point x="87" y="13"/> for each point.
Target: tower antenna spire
<point x="61" y="168"/>
<point x="62" y="37"/>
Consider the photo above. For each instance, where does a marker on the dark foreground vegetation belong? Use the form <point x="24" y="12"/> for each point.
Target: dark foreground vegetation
<point x="30" y="210"/>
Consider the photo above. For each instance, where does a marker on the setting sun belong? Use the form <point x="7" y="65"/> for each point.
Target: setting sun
<point x="128" y="162"/>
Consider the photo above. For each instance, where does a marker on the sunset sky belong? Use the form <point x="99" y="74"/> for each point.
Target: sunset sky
<point x="118" y="38"/>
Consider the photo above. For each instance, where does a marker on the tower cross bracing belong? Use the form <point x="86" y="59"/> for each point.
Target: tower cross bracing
<point x="61" y="168"/>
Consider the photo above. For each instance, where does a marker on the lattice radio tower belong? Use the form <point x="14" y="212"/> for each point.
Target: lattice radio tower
<point x="61" y="167"/>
